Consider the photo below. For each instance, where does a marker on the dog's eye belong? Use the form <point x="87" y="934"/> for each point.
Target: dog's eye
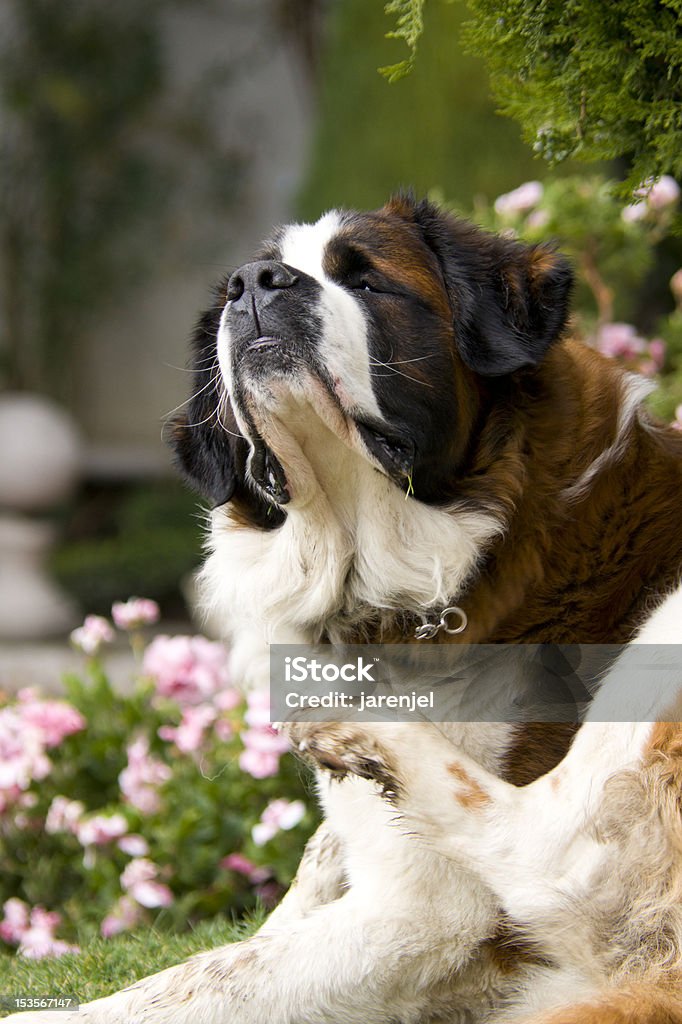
<point x="362" y="285"/>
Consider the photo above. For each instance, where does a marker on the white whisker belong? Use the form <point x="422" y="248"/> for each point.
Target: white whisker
<point x="183" y="369"/>
<point x="211" y="383"/>
<point x="400" y="362"/>
<point x="219" y="406"/>
<point x="391" y="367"/>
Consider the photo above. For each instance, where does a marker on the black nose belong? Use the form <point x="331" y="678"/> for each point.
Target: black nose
<point x="260" y="278"/>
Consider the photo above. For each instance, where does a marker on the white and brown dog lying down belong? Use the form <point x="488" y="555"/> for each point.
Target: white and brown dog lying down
<point x="389" y="421"/>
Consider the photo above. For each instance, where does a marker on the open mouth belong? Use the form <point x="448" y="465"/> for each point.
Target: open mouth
<point x="272" y="349"/>
<point x="267" y="471"/>
<point x="394" y="454"/>
<point x="267" y="341"/>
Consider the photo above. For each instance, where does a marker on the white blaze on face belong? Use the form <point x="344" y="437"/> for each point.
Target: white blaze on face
<point x="224" y="350"/>
<point x="225" y="363"/>
<point x="344" y="345"/>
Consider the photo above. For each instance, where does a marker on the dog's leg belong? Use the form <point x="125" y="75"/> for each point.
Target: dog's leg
<point x="530" y="844"/>
<point x="320" y="879"/>
<point x="350" y="962"/>
<point x="583" y="858"/>
<point x="540" y="845"/>
<point x="385" y="951"/>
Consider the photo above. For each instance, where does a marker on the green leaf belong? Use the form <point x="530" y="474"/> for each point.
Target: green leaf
<point x="409" y="26"/>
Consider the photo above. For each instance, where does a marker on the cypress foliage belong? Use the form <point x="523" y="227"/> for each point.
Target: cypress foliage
<point x="585" y="79"/>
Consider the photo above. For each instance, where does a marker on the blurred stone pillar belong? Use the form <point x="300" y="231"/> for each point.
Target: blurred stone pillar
<point x="40" y="455"/>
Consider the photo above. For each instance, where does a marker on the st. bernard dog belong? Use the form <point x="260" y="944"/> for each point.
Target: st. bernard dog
<point x="389" y="421"/>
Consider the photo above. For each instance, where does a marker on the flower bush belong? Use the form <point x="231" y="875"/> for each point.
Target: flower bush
<point x="167" y="804"/>
<point x="614" y="249"/>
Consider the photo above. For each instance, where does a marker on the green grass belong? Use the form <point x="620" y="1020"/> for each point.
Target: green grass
<point x="105" y="965"/>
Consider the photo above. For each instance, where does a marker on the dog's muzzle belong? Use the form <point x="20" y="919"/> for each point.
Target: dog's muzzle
<point x="258" y="283"/>
<point x="272" y="305"/>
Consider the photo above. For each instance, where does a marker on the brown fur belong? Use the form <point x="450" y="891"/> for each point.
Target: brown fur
<point x="391" y="246"/>
<point x="469" y="794"/>
<point x="537" y="748"/>
<point x="507" y="950"/>
<point x="636" y="1004"/>
<point x="579" y="569"/>
<point x="584" y="569"/>
<point x="598" y="563"/>
<point x="663" y="769"/>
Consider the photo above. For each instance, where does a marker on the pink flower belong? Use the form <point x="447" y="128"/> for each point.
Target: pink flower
<point x="54" y="719"/>
<point x="37" y="943"/>
<point x="538" y="219"/>
<point x="33" y="932"/>
<point x="224" y="730"/>
<point x="189" y="734"/>
<point x="620" y="340"/>
<point x="15" y="920"/>
<point x="64" y="815"/>
<point x="8" y="798"/>
<point x="243" y="866"/>
<point x="237" y="862"/>
<point x="647" y="368"/>
<point x="228" y="700"/>
<point x="269" y="893"/>
<point x="663" y="192"/>
<point x="263" y="746"/>
<point x="279" y="814"/>
<point x="265" y="741"/>
<point x="657" y="348"/>
<point x="124" y="915"/>
<point x="135" y="612"/>
<point x="22" y="753"/>
<point x="634" y="212"/>
<point x="100" y="829"/>
<point x="258" y="765"/>
<point x="139" y="780"/>
<point x="188" y="669"/>
<point x="652" y="196"/>
<point x="94" y="632"/>
<point x="139" y="879"/>
<point x="134" y="845"/>
<point x="263" y="749"/>
<point x="520" y="200"/>
<point x="258" y="709"/>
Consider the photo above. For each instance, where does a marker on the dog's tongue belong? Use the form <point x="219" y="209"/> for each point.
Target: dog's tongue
<point x="266" y="469"/>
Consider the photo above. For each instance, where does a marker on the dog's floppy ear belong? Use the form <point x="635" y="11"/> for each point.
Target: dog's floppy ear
<point x="510" y="300"/>
<point x="210" y="450"/>
<point x="204" y="457"/>
<point x="205" y="453"/>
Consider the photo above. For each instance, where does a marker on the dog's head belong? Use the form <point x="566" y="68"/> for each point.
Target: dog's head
<point x="383" y="330"/>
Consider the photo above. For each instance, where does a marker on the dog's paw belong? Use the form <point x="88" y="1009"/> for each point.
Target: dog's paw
<point x="343" y="749"/>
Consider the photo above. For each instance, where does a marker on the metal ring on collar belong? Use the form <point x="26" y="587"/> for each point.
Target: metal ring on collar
<point x="454" y="610"/>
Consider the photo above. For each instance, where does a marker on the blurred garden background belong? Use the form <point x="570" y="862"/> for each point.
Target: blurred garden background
<point x="146" y="147"/>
